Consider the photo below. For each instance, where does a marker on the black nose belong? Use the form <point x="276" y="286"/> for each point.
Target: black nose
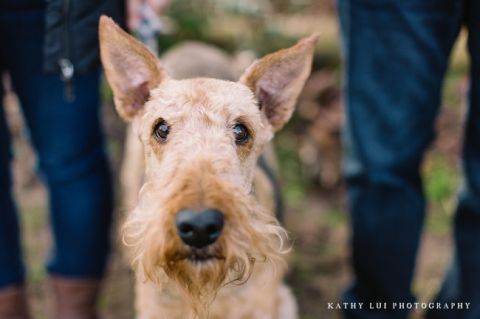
<point x="199" y="229"/>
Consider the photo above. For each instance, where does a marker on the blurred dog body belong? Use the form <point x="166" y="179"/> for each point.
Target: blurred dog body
<point x="202" y="233"/>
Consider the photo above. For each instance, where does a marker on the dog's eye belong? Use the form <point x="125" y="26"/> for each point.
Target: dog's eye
<point x="241" y="134"/>
<point x="161" y="131"/>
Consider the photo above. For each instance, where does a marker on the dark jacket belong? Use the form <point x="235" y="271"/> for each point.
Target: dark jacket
<point x="71" y="34"/>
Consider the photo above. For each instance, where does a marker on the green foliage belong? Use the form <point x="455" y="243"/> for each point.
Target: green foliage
<point x="190" y="22"/>
<point x="441" y="182"/>
<point x="34" y="220"/>
<point x="294" y="183"/>
<point x="455" y="75"/>
<point x="105" y="91"/>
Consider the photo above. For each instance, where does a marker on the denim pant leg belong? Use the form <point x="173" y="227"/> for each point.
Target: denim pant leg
<point x="68" y="140"/>
<point x="396" y="54"/>
<point x="462" y="283"/>
<point x="467" y="220"/>
<point x="11" y="266"/>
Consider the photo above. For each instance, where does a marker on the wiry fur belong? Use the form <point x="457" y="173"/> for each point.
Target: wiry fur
<point x="200" y="166"/>
<point x="253" y="235"/>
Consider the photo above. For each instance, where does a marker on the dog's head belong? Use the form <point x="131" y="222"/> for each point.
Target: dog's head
<point x="196" y="219"/>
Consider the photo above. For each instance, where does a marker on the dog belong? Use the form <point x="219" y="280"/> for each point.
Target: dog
<point x="201" y="244"/>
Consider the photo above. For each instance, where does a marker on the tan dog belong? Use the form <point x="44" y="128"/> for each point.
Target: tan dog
<point x="202" y="245"/>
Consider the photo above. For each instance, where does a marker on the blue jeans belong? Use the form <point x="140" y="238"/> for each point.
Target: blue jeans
<point x="396" y="54"/>
<point x="69" y="144"/>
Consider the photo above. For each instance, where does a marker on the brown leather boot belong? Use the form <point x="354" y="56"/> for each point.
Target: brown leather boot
<point x="75" y="298"/>
<point x="13" y="303"/>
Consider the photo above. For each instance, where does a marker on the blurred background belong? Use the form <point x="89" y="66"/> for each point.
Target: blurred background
<point x="309" y="154"/>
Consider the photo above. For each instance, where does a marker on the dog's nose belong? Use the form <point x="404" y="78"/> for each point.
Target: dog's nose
<point x="199" y="229"/>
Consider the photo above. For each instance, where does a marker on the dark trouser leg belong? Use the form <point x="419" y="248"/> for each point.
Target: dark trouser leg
<point x="70" y="148"/>
<point x="396" y="55"/>
<point x="12" y="273"/>
<point x="11" y="267"/>
<point x="462" y="283"/>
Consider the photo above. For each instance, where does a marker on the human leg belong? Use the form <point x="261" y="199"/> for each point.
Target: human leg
<point x="396" y="54"/>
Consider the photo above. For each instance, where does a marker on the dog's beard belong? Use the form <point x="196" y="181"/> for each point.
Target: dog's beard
<point x="251" y="235"/>
<point x="200" y="280"/>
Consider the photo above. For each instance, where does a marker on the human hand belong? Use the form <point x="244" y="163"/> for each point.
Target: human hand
<point x="135" y="10"/>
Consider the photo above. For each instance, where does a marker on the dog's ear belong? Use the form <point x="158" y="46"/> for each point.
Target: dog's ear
<point x="278" y="78"/>
<point x="131" y="69"/>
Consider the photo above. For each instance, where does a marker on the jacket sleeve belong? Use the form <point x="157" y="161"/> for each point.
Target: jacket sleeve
<point x="71" y="32"/>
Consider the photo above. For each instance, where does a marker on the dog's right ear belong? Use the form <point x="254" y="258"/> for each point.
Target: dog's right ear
<point x="131" y="69"/>
<point x="278" y="78"/>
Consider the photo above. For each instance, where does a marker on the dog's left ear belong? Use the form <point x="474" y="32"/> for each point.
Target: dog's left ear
<point x="130" y="68"/>
<point x="278" y="78"/>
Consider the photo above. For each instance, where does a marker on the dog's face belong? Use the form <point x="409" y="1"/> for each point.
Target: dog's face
<point x="196" y="219"/>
